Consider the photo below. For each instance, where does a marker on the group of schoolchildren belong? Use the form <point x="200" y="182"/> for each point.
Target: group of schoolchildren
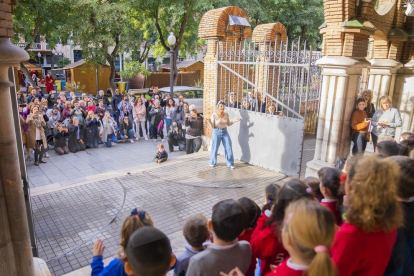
<point x="355" y="221"/>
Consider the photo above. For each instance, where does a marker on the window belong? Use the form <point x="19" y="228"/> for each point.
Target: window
<point x="77" y="55"/>
<point x="200" y="94"/>
<point x="189" y="94"/>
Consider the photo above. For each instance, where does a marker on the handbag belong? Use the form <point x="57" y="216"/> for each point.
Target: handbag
<point x="370" y="127"/>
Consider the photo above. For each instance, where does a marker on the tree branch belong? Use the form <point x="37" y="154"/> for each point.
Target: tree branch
<point x="182" y="28"/>
<point x="115" y="50"/>
<point x="157" y="25"/>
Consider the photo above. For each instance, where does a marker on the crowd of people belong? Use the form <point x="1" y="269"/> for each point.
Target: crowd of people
<point x="354" y="221"/>
<point x="68" y="123"/>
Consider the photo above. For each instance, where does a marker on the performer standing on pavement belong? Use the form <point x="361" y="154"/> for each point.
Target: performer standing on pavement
<point x="220" y="121"/>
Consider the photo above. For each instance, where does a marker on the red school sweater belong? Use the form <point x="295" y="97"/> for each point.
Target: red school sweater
<point x="358" y="253"/>
<point x="333" y="206"/>
<point x="284" y="269"/>
<point x="266" y="245"/>
<point x="247" y="236"/>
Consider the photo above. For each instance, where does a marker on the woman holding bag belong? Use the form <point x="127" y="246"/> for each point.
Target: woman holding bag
<point x="220" y="120"/>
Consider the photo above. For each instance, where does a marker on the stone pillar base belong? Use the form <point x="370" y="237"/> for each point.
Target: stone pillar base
<point x="314" y="166"/>
<point x="40" y="267"/>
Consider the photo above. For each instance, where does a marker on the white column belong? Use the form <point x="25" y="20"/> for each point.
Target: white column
<point x="382" y="77"/>
<point x="339" y="91"/>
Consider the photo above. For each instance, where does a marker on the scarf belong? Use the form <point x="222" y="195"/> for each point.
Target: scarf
<point x="38" y="121"/>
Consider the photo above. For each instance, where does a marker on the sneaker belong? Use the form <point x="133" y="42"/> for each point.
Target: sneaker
<point x="155" y="140"/>
<point x="136" y="139"/>
<point x="211" y="165"/>
<point x="163" y="140"/>
<point x="28" y="159"/>
<point x="231" y="167"/>
<point x="132" y="141"/>
<point x="146" y="139"/>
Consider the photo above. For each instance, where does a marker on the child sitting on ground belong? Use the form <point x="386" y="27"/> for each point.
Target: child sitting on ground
<point x="148" y="252"/>
<point x="253" y="214"/>
<point x="265" y="243"/>
<point x="227" y="223"/>
<point x="314" y="184"/>
<point x="161" y="155"/>
<point x="196" y="233"/>
<point x="135" y="221"/>
<point x="270" y="196"/>
<point x="402" y="256"/>
<point x="330" y="188"/>
<point x="363" y="244"/>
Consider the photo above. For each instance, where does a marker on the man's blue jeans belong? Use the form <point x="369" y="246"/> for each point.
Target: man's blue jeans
<point x="130" y="135"/>
<point x="113" y="137"/>
<point x="221" y="135"/>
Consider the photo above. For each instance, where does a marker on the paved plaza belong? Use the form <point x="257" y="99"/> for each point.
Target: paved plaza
<point x="77" y="198"/>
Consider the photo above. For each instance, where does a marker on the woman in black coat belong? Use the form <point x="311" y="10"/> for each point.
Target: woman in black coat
<point x="126" y="130"/>
<point x="92" y="132"/>
<point x="61" y="146"/>
<point x="76" y="140"/>
<point x="194" y="130"/>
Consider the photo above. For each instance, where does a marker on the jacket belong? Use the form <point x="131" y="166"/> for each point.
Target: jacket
<point x="104" y="99"/>
<point x="116" y="99"/>
<point x="194" y="126"/>
<point x="31" y="132"/>
<point x="139" y="112"/>
<point x="163" y="156"/>
<point x="107" y="122"/>
<point x="73" y="142"/>
<point x="60" y="139"/>
<point x="122" y="113"/>
<point x="154" y="116"/>
<point x="92" y="130"/>
<point x="124" y="128"/>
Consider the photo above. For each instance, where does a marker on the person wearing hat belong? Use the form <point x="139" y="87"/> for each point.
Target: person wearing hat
<point x="220" y="121"/>
<point x="232" y="101"/>
<point x="194" y="124"/>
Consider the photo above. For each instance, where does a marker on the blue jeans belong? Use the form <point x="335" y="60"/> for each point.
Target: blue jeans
<point x="169" y="122"/>
<point x="221" y="135"/>
<point x="116" y="117"/>
<point x="130" y="135"/>
<point x="113" y="137"/>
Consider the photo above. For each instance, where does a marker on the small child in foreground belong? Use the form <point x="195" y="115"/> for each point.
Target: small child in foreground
<point x="330" y="188"/>
<point x="253" y="214"/>
<point x="135" y="221"/>
<point x="148" y="252"/>
<point x="196" y="232"/>
<point x="227" y="223"/>
<point x="161" y="155"/>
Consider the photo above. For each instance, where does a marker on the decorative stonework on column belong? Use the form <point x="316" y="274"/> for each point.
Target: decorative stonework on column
<point x="214" y="28"/>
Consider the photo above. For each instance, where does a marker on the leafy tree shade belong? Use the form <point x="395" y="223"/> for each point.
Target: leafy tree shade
<point x="103" y="29"/>
<point x="32" y="18"/>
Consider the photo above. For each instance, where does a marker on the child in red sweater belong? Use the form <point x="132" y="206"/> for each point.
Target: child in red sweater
<point x="265" y="242"/>
<point x="253" y="214"/>
<point x="329" y="186"/>
<point x="363" y="244"/>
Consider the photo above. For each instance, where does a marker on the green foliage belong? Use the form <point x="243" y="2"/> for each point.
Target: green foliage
<point x="75" y="87"/>
<point x="62" y="62"/>
<point x="133" y="68"/>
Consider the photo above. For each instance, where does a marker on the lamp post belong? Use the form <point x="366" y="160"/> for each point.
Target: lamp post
<point x="171" y="42"/>
<point x="52" y="65"/>
<point x="39" y="55"/>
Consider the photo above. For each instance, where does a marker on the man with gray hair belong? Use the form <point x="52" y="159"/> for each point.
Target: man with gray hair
<point x="101" y="96"/>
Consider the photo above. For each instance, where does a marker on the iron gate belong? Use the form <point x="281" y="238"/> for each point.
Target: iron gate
<point x="256" y="78"/>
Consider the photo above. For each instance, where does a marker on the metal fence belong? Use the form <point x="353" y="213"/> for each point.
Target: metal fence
<point x="280" y="80"/>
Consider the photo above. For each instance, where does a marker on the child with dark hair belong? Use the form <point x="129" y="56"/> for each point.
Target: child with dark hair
<point x="253" y="214"/>
<point x="313" y="183"/>
<point x="136" y="220"/>
<point x="270" y="196"/>
<point x="330" y="188"/>
<point x="227" y="223"/>
<point x="406" y="146"/>
<point x="402" y="256"/>
<point x="148" y="252"/>
<point x="265" y="241"/>
<point x="195" y="232"/>
<point x="388" y="148"/>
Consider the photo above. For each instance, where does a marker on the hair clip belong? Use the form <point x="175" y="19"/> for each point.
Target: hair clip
<point x="320" y="248"/>
<point x="309" y="190"/>
<point x="289" y="217"/>
<point x="140" y="214"/>
<point x="342" y="178"/>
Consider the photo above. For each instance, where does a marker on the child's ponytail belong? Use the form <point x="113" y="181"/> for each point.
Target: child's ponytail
<point x="322" y="263"/>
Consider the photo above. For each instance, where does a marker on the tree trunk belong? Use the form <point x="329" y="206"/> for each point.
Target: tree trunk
<point x="27" y="74"/>
<point x="175" y="72"/>
<point x="112" y="76"/>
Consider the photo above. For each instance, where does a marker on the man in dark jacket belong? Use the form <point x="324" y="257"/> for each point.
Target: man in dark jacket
<point x="101" y="96"/>
<point x="116" y="99"/>
<point x="194" y="125"/>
